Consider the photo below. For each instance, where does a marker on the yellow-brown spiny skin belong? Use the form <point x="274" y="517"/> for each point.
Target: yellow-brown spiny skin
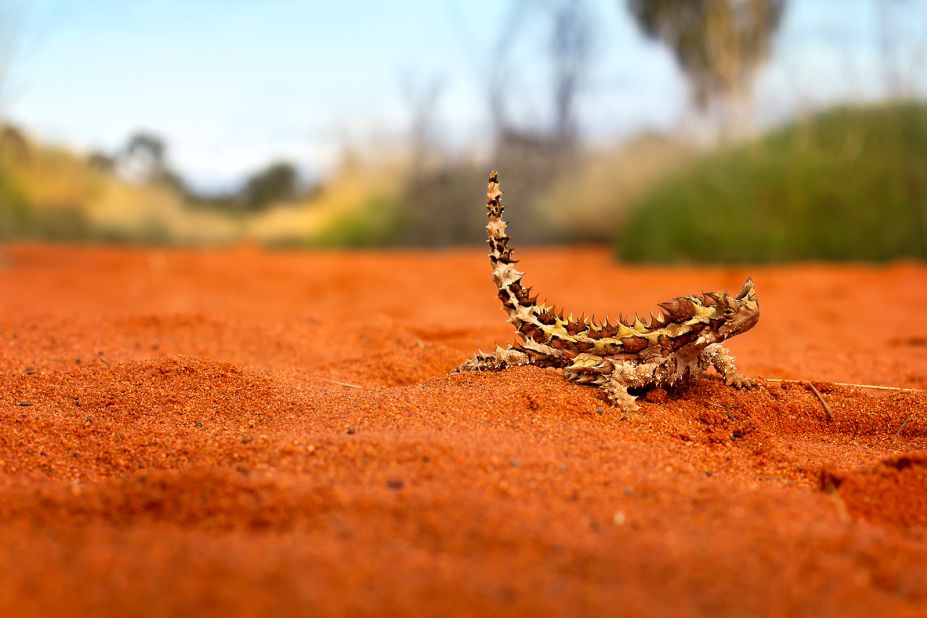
<point x="677" y="343"/>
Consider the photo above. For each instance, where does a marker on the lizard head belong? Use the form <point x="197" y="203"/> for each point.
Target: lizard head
<point x="721" y="315"/>
<point x="737" y="314"/>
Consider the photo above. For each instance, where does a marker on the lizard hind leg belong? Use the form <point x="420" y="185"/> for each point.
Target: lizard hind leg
<point x="501" y="358"/>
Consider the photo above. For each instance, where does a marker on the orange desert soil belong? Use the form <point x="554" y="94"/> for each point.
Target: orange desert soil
<point x="242" y="432"/>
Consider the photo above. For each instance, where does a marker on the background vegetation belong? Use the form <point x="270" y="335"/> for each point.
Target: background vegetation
<point x="843" y="183"/>
<point x="849" y="183"/>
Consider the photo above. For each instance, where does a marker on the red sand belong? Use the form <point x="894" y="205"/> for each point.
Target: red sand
<point x="173" y="442"/>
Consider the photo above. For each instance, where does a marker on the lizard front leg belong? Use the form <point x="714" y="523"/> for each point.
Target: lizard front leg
<point x="617" y="394"/>
<point x="625" y="376"/>
<point x="501" y="358"/>
<point x="721" y="359"/>
<point x="592" y="370"/>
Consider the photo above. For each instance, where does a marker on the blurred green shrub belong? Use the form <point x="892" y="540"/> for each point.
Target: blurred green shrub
<point x="376" y="222"/>
<point x="15" y="213"/>
<point x="846" y="184"/>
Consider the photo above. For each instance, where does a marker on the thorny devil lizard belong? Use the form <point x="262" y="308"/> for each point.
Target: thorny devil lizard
<point x="676" y="344"/>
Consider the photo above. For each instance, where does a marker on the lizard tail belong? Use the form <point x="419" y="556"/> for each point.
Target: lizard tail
<point x="516" y="299"/>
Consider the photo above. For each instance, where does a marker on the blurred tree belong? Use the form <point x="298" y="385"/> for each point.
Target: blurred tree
<point x="152" y="145"/>
<point x="901" y="44"/>
<point x="569" y="49"/>
<point x="568" y="28"/>
<point x="14" y="212"/>
<point x="6" y="44"/>
<point x="560" y="36"/>
<point x="13" y="143"/>
<point x="718" y="43"/>
<point x="101" y="161"/>
<point x="144" y="158"/>
<point x="8" y="40"/>
<point x="422" y="95"/>
<point x="278" y="182"/>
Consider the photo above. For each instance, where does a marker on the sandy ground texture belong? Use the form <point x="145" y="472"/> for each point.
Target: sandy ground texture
<point x="256" y="433"/>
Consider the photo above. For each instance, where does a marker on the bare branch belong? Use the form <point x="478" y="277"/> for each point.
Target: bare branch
<point x="422" y="95"/>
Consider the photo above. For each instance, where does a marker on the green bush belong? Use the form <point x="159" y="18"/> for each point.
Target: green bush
<point x="15" y="213"/>
<point x="20" y="220"/>
<point x="375" y="224"/>
<point x="847" y="184"/>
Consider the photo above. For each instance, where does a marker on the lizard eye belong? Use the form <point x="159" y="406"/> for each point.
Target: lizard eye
<point x="728" y="312"/>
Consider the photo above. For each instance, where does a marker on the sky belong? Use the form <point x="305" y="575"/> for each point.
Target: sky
<point x="233" y="84"/>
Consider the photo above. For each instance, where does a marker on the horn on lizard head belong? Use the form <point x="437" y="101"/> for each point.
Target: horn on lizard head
<point x="748" y="292"/>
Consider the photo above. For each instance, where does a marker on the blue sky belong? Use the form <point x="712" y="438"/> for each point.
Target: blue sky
<point x="232" y="84"/>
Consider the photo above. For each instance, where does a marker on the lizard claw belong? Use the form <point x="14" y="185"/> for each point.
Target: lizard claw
<point x="619" y="397"/>
<point x="738" y="380"/>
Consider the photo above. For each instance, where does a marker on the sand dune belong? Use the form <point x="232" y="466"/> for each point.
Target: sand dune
<point x="242" y="432"/>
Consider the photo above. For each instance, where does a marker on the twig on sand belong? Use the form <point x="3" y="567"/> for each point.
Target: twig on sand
<point x="817" y="393"/>
<point x="347" y="384"/>
<point x="871" y="386"/>
<point x="904" y="424"/>
<point x="841" y="507"/>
